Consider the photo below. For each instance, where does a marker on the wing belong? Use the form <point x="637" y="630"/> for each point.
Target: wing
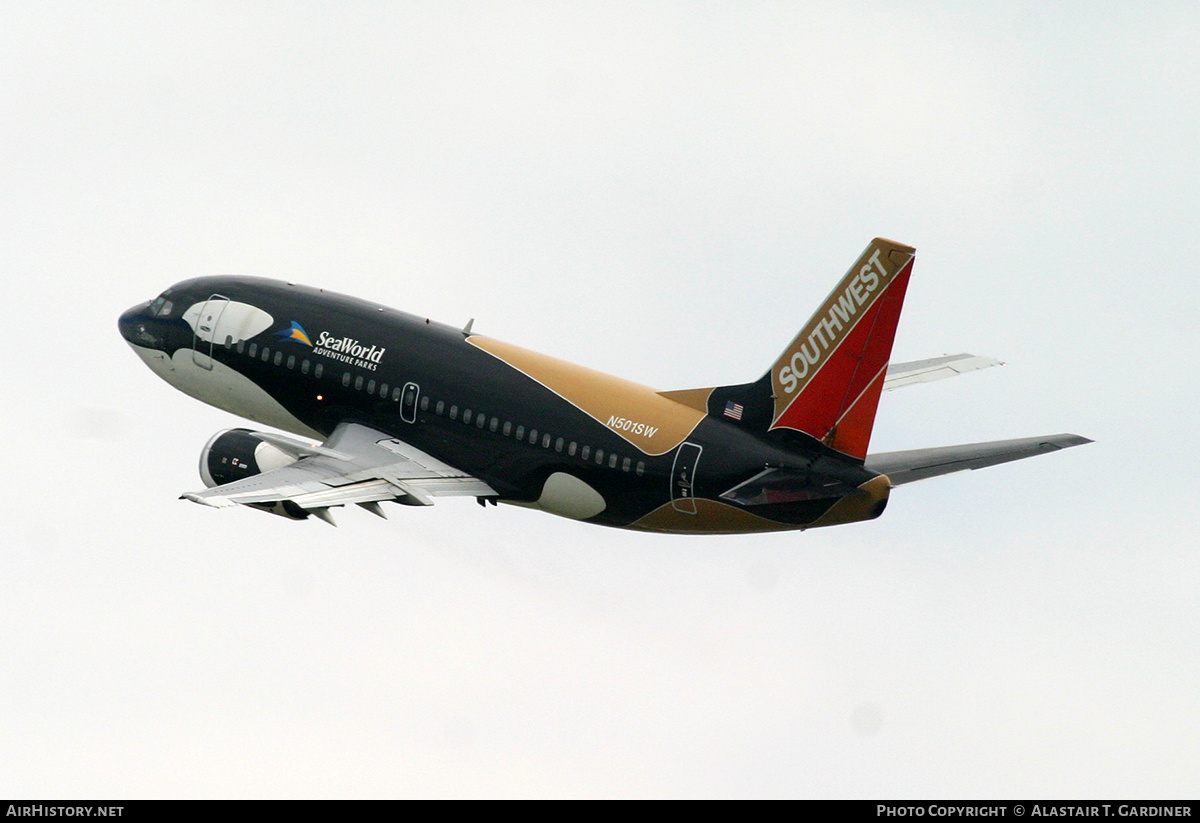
<point x="937" y="368"/>
<point x="357" y="464"/>
<point x="920" y="464"/>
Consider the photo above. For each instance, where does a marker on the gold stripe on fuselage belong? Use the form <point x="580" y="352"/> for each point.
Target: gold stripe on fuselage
<point x="696" y="398"/>
<point x="711" y="517"/>
<point x="866" y="505"/>
<point x="717" y="517"/>
<point x="639" y="414"/>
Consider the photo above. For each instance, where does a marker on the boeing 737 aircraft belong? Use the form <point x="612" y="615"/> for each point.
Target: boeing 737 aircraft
<point x="407" y="410"/>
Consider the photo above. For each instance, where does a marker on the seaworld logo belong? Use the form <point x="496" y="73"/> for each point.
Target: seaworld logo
<point x="297" y="333"/>
<point x="345" y="349"/>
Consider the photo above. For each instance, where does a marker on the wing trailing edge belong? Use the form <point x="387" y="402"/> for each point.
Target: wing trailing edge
<point x="920" y="464"/>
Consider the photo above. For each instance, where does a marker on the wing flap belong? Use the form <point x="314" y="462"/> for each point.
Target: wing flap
<point x="369" y="491"/>
<point x="920" y="464"/>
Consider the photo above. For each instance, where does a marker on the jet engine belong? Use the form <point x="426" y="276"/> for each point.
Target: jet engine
<point x="235" y="454"/>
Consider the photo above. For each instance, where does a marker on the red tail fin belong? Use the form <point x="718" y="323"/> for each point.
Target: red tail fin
<point x="827" y="382"/>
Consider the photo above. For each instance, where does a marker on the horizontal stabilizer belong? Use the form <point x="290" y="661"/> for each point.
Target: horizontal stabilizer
<point x="921" y="464"/>
<point x="937" y="368"/>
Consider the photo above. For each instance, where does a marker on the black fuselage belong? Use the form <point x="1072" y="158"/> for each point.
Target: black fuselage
<point x="509" y="417"/>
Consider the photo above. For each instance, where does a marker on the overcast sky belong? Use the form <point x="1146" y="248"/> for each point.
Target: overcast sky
<point x="664" y="191"/>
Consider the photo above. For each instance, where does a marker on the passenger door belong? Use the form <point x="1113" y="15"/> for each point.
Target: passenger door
<point x="683" y="478"/>
<point x="408" y="402"/>
<point x="206" y="329"/>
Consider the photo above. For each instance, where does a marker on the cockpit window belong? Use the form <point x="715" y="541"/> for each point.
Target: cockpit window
<point x="161" y="307"/>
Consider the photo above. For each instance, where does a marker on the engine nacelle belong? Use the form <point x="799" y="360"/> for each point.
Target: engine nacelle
<point x="235" y="454"/>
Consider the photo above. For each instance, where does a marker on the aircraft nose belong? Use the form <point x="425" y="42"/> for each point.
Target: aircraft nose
<point x="134" y="326"/>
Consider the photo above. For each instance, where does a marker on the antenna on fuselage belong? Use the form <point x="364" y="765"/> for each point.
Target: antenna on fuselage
<point x="467" y="328"/>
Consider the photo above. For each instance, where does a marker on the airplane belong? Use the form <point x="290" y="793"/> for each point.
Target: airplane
<point x="406" y="409"/>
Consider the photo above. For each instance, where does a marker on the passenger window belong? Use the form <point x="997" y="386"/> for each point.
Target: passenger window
<point x="266" y="353"/>
<point x="507" y="428"/>
<point x="641" y="468"/>
<point x="571" y="449"/>
<point x="346" y="379"/>
<point x="558" y="445"/>
<point x="396" y="395"/>
<point x="520" y="432"/>
<point x="612" y="461"/>
<point x="454" y="412"/>
<point x="533" y="436"/>
<point x="383" y="390"/>
<point x="358" y="381"/>
<point x="495" y="424"/>
<point x="441" y="407"/>
<point x="278" y="358"/>
<point x="241" y="346"/>
<point x="585" y="452"/>
<point x="545" y="441"/>
<point x="599" y="457"/>
<point x="228" y="341"/>
<point x="304" y="366"/>
<point x="424" y="402"/>
<point x="467" y="417"/>
<point x="291" y="361"/>
<point x="625" y="464"/>
<point x="480" y="421"/>
<point x="370" y="387"/>
<point x="254" y="350"/>
<point x="319" y="370"/>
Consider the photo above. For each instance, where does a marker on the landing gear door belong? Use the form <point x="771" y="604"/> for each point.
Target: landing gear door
<point x="206" y="330"/>
<point x="683" y="478"/>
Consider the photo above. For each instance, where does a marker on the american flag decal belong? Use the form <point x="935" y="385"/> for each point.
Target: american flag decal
<point x="734" y="410"/>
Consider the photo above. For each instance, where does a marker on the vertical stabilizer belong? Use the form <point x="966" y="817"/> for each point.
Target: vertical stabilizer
<point x="827" y="382"/>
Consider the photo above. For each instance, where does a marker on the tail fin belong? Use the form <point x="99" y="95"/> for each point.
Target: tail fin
<point x="827" y="382"/>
